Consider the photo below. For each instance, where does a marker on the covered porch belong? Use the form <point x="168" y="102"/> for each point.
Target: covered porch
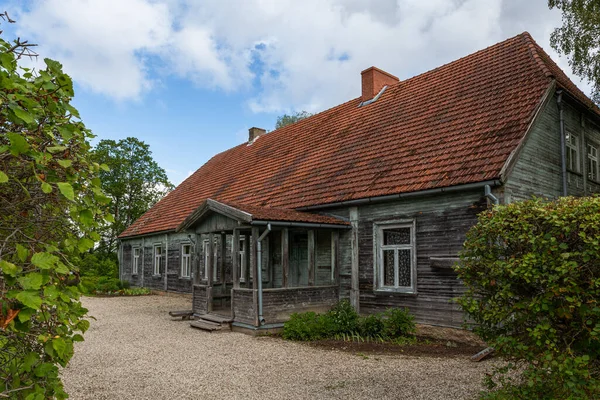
<point x="258" y="265"/>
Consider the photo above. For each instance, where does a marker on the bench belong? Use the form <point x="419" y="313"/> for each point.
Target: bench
<point x="184" y="314"/>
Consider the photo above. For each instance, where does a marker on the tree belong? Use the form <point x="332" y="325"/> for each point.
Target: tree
<point x="133" y="181"/>
<point x="50" y="204"/>
<point x="579" y="39"/>
<point x="285" y="120"/>
<point x="532" y="271"/>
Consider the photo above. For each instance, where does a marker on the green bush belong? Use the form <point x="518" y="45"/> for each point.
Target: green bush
<point x="307" y="326"/>
<point x="371" y="326"/>
<point x="532" y="271"/>
<point x="102" y="285"/>
<point x="398" y="323"/>
<point x="344" y="318"/>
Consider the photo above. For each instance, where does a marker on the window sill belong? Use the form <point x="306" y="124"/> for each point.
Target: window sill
<point x="575" y="172"/>
<point x="156" y="275"/>
<point x="134" y="275"/>
<point x="395" y="292"/>
<point x="185" y="278"/>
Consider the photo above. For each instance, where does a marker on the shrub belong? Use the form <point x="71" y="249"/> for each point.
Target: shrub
<point x="532" y="271"/>
<point x="372" y="326"/>
<point x="307" y="326"/>
<point x="344" y="317"/>
<point x="398" y="323"/>
<point x="102" y="285"/>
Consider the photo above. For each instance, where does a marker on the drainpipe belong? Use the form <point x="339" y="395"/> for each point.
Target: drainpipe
<point x="120" y="258"/>
<point x="261" y="319"/>
<point x="488" y="193"/>
<point x="166" y="261"/>
<point x="563" y="155"/>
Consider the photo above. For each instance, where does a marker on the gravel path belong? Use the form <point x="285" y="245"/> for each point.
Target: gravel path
<point x="134" y="351"/>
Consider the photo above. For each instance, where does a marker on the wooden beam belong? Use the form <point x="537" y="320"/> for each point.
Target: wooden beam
<point x="247" y="259"/>
<point x="235" y="259"/>
<point x="311" y="257"/>
<point x="335" y="268"/>
<point x="210" y="259"/>
<point x="354" y="289"/>
<point x="254" y="256"/>
<point x="222" y="259"/>
<point x="285" y="256"/>
<point x="196" y="259"/>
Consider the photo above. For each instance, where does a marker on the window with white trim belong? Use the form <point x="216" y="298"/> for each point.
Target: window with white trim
<point x="242" y="260"/>
<point x="136" y="260"/>
<point x="215" y="255"/>
<point x="395" y="259"/>
<point x="572" y="147"/>
<point x="186" y="258"/>
<point x="592" y="162"/>
<point x="158" y="252"/>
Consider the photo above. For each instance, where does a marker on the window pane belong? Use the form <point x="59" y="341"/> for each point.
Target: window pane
<point x="396" y="236"/>
<point x="404" y="268"/>
<point x="388" y="267"/>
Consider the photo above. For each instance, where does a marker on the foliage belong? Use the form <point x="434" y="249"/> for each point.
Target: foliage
<point x="50" y="204"/>
<point x="579" y="39"/>
<point x="343" y="323"/>
<point x="104" y="286"/>
<point x="285" y="119"/>
<point x="398" y="323"/>
<point x="133" y="180"/>
<point x="532" y="271"/>
<point x="99" y="264"/>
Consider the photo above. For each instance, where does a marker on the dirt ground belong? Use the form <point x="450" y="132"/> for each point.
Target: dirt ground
<point x="134" y="350"/>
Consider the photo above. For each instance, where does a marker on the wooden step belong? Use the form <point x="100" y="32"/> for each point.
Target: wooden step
<point x="220" y="319"/>
<point x="184" y="314"/>
<point x="205" y="325"/>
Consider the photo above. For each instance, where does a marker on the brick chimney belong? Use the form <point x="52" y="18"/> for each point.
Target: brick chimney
<point x="373" y="80"/>
<point x="254" y="133"/>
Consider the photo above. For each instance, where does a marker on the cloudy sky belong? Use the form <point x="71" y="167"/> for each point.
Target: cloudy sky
<point x="190" y="77"/>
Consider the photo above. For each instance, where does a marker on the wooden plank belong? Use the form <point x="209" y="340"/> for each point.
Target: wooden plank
<point x="210" y="259"/>
<point x="222" y="258"/>
<point x="254" y="256"/>
<point x="311" y="257"/>
<point x="354" y="290"/>
<point x="235" y="258"/>
<point x="443" y="262"/>
<point x="205" y="325"/>
<point x="247" y="259"/>
<point x="285" y="256"/>
<point x="335" y="245"/>
<point x="218" y="319"/>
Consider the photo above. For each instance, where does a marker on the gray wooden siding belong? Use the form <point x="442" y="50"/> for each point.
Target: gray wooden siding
<point x="279" y="304"/>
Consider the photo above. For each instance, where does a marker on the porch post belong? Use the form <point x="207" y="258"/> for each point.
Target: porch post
<point x="235" y="254"/>
<point x="247" y="259"/>
<point x="354" y="291"/>
<point x="197" y="258"/>
<point x="335" y="244"/>
<point x="210" y="258"/>
<point x="254" y="265"/>
<point x="311" y="257"/>
<point x="222" y="260"/>
<point x="285" y="256"/>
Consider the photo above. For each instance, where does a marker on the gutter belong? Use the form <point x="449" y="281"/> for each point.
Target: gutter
<point x="380" y="199"/>
<point x="488" y="193"/>
<point x="299" y="224"/>
<point x="563" y="153"/>
<point x="261" y="319"/>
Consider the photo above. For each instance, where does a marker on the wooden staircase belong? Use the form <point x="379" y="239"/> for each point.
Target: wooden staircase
<point x="212" y="322"/>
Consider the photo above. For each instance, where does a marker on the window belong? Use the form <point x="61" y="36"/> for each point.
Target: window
<point x="215" y="254"/>
<point x="572" y="143"/>
<point x="242" y="261"/>
<point x="136" y="261"/>
<point x="186" y="253"/>
<point x="592" y="162"/>
<point x="158" y="251"/>
<point x="395" y="264"/>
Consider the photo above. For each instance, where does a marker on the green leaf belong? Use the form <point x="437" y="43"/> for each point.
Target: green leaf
<point x="3" y="177"/>
<point x="44" y="260"/>
<point x="85" y="244"/>
<point x="65" y="163"/>
<point x="25" y="314"/>
<point x="30" y="360"/>
<point x="66" y="189"/>
<point x="18" y="143"/>
<point x="45" y="369"/>
<point x="56" y="149"/>
<point x="31" y="281"/>
<point x="86" y="217"/>
<point x="46" y="187"/>
<point x="105" y="167"/>
<point x="60" y="346"/>
<point x="9" y="269"/>
<point x="62" y="268"/>
<point x="22" y="114"/>
<point x="22" y="252"/>
<point x="30" y="298"/>
<point x="109" y="218"/>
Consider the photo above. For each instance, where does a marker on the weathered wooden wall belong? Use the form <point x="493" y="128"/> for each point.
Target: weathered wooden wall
<point x="242" y="302"/>
<point x="279" y="304"/>
<point x="200" y="299"/>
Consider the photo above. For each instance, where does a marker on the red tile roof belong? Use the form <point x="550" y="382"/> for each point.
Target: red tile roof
<point x="453" y="125"/>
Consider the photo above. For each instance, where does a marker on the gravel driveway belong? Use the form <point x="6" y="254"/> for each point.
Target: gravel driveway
<point x="134" y="351"/>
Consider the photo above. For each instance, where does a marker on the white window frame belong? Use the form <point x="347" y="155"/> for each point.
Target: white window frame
<point x="186" y="261"/>
<point x="158" y="254"/>
<point x="242" y="260"/>
<point x="215" y="255"/>
<point x="135" y="260"/>
<point x="592" y="162"/>
<point x="572" y="147"/>
<point x="379" y="247"/>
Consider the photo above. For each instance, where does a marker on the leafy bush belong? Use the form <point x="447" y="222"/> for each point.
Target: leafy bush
<point x="371" y="326"/>
<point x="308" y="326"/>
<point x="398" y="323"/>
<point x="102" y="285"/>
<point x="99" y="264"/>
<point x="532" y="270"/>
<point x="343" y="317"/>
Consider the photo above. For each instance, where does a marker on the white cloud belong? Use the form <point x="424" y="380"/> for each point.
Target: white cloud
<point x="303" y="55"/>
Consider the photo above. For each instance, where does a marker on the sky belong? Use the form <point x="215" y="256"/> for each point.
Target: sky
<point x="190" y="77"/>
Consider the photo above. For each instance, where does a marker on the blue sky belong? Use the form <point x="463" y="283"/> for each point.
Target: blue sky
<point x="190" y="77"/>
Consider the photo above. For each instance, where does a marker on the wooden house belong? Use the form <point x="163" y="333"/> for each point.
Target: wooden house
<point x="370" y="200"/>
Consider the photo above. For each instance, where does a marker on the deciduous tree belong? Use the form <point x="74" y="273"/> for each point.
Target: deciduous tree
<point x="285" y="119"/>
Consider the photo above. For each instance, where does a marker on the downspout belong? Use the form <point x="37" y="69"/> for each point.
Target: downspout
<point x="166" y="261"/>
<point x="563" y="155"/>
<point x="143" y="258"/>
<point x="261" y="319"/>
<point x="488" y="193"/>
<point x="120" y="258"/>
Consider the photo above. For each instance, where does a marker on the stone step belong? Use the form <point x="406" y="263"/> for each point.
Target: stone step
<point x="205" y="325"/>
<point x="220" y="319"/>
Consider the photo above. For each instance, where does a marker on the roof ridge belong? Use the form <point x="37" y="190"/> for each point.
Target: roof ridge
<point x="534" y="49"/>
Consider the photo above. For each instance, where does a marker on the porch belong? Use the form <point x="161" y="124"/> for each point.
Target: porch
<point x="259" y="265"/>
